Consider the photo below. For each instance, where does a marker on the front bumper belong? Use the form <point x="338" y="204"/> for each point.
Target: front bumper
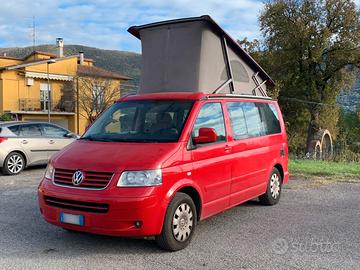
<point x="122" y="219"/>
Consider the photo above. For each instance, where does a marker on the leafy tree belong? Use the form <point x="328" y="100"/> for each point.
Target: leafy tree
<point x="311" y="48"/>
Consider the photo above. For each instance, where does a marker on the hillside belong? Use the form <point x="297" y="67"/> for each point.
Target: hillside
<point x="126" y="63"/>
<point x="350" y="100"/>
<point x="129" y="64"/>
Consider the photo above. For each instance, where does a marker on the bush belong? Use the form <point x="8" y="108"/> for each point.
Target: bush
<point x="6" y="117"/>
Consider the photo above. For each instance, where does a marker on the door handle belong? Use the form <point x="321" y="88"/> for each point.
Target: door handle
<point x="51" y="141"/>
<point x="24" y="141"/>
<point x="227" y="148"/>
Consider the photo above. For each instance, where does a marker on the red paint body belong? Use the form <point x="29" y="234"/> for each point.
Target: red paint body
<point x="223" y="174"/>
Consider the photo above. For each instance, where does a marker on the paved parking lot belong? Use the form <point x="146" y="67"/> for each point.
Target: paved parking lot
<point x="315" y="226"/>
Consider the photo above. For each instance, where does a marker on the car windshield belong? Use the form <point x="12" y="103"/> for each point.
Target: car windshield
<point x="141" y="121"/>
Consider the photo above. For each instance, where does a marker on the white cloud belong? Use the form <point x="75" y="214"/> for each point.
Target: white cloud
<point x="103" y="23"/>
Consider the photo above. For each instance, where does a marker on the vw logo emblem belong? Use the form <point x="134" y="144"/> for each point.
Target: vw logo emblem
<point x="77" y="178"/>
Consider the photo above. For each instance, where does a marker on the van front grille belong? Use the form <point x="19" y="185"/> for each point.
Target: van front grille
<point x="92" y="180"/>
<point x="77" y="205"/>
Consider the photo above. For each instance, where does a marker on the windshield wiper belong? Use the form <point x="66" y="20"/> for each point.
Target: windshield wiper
<point x="141" y="140"/>
<point x="90" y="138"/>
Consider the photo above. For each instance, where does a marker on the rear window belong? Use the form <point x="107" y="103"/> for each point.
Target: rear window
<point x="15" y="129"/>
<point x="271" y="117"/>
<point x="251" y="119"/>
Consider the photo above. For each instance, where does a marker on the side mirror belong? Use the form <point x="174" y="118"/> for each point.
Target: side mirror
<point x="71" y="135"/>
<point x="206" y="135"/>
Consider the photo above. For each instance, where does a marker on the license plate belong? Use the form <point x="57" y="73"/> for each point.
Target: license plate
<point x="71" y="219"/>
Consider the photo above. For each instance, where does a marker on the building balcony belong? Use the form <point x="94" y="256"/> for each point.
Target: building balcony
<point x="39" y="106"/>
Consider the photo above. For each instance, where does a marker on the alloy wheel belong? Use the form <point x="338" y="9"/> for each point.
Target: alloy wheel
<point x="15" y="164"/>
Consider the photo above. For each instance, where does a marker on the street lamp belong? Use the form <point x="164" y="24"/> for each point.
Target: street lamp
<point x="50" y="61"/>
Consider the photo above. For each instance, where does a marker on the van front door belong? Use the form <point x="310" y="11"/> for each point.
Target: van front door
<point x="211" y="165"/>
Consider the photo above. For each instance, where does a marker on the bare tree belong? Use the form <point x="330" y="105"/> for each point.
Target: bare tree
<point x="96" y="95"/>
<point x="67" y="100"/>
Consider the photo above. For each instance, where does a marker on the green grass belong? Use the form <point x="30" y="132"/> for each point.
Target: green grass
<point x="328" y="169"/>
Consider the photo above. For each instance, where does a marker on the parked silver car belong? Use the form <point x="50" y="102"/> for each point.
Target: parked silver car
<point x="25" y="144"/>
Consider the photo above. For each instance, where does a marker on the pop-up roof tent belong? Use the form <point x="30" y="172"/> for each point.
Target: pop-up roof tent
<point x="196" y="55"/>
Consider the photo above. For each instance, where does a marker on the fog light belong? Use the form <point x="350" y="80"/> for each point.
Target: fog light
<point x="138" y="224"/>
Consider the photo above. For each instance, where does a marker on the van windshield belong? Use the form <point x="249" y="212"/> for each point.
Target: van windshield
<point x="141" y="121"/>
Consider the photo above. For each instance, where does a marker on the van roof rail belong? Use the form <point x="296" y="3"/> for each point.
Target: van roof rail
<point x="237" y="96"/>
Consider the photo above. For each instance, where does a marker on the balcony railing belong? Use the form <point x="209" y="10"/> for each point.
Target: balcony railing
<point x="37" y="105"/>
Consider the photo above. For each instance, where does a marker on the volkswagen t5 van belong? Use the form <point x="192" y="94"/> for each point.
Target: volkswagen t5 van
<point x="157" y="164"/>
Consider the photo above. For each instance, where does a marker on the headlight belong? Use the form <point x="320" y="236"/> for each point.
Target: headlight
<point x="49" y="171"/>
<point x="140" y="178"/>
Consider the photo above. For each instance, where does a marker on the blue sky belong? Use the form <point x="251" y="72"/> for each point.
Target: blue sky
<point x="104" y="23"/>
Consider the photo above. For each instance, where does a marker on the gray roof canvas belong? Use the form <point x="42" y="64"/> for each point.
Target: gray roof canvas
<point x="196" y="55"/>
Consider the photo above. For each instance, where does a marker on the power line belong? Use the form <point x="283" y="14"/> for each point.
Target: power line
<point x="312" y="102"/>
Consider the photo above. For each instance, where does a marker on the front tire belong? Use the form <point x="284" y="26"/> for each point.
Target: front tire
<point x="179" y="224"/>
<point x="14" y="163"/>
<point x="273" y="191"/>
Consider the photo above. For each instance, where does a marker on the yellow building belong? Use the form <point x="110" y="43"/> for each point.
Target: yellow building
<point x="24" y="88"/>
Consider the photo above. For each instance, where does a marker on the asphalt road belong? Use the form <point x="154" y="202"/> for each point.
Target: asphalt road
<point x="315" y="226"/>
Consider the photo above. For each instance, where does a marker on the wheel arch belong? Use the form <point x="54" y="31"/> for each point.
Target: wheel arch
<point x="21" y="153"/>
<point x="280" y="168"/>
<point x="188" y="187"/>
<point x="195" y="196"/>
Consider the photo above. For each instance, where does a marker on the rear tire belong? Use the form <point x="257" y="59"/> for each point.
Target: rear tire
<point x="179" y="224"/>
<point x="273" y="191"/>
<point x="14" y="164"/>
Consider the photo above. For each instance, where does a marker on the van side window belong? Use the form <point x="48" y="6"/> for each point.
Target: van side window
<point x="269" y="113"/>
<point x="254" y="123"/>
<point x="237" y="119"/>
<point x="211" y="116"/>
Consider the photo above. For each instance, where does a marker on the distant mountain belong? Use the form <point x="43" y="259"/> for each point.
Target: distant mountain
<point x="127" y="63"/>
<point x="350" y="100"/>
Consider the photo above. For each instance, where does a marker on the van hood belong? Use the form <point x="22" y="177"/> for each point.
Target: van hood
<point x="113" y="156"/>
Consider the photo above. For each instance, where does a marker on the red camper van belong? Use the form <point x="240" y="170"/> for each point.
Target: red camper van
<point x="158" y="162"/>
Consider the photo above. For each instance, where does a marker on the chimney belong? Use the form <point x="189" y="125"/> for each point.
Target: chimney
<point x="60" y="47"/>
<point x="81" y="58"/>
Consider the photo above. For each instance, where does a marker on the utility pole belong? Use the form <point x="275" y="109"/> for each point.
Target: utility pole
<point x="77" y="106"/>
<point x="34" y="33"/>
<point x="50" y="61"/>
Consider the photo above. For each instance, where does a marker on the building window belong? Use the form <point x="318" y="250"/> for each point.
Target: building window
<point x="44" y="95"/>
<point x="98" y="97"/>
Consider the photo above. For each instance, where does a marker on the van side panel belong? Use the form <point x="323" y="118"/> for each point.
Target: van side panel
<point x="253" y="160"/>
